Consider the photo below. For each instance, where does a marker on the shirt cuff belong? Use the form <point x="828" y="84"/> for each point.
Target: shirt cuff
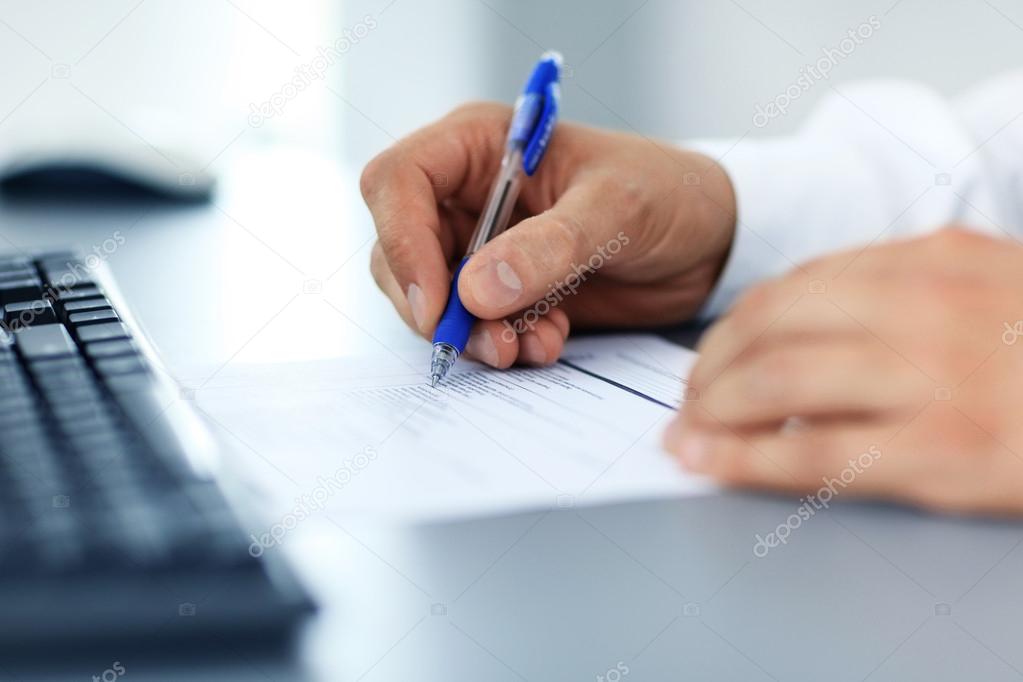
<point x="751" y="256"/>
<point x="766" y="177"/>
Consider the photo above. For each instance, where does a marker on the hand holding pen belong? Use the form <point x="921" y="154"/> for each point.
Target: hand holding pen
<point x="612" y="230"/>
<point x="532" y="124"/>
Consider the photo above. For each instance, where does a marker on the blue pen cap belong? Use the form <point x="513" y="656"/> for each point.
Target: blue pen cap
<point x="546" y="71"/>
<point x="537" y="110"/>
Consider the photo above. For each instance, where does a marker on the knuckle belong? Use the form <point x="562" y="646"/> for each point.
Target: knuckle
<point x="628" y="193"/>
<point x="480" y="110"/>
<point x="946" y="438"/>
<point x="373" y="175"/>
<point x="958" y="232"/>
<point x="566" y="235"/>
<point x="959" y="235"/>
<point x="816" y="268"/>
<point x="631" y="200"/>
<point x="808" y="463"/>
<point x="397" y="246"/>
<point x="731" y="461"/>
<point x="756" y="298"/>
<point x="378" y="265"/>
<point x="774" y="373"/>
<point x="759" y="308"/>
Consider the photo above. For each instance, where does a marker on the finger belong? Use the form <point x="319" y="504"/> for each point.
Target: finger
<point x="457" y="225"/>
<point x="560" y="320"/>
<point x="389" y="286"/>
<point x="402" y="188"/>
<point x="600" y="302"/>
<point x="793" y="307"/>
<point x="547" y="252"/>
<point x="823" y="377"/>
<point x="758" y="313"/>
<point x="541" y="345"/>
<point x="492" y="344"/>
<point x="496" y="343"/>
<point x="847" y="458"/>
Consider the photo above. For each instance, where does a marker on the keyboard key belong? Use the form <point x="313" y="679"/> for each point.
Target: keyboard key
<point x="147" y="410"/>
<point x="18" y="290"/>
<point x="56" y="368"/>
<point x="45" y="341"/>
<point x="61" y="382"/>
<point x="66" y="274"/>
<point x="21" y="399"/>
<point x="14" y="263"/>
<point x="78" y="420"/>
<point x="62" y="365"/>
<point x="106" y="349"/>
<point x="126" y="384"/>
<point x="75" y="395"/>
<point x="17" y="414"/>
<point x="57" y="535"/>
<point x="106" y="331"/>
<point x="7" y="356"/>
<point x="9" y="275"/>
<point x="103" y="332"/>
<point x="59" y="255"/>
<point x="86" y="304"/>
<point x="94" y="471"/>
<point x="77" y="294"/>
<point x="28" y="313"/>
<point x="125" y="365"/>
<point x="92" y="317"/>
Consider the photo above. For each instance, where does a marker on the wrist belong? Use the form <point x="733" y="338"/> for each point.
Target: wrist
<point x="709" y="206"/>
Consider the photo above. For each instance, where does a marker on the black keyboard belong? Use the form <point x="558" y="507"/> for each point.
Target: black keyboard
<point x="109" y="526"/>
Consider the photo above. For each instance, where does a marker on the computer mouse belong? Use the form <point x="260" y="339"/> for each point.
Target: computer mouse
<point x="107" y="169"/>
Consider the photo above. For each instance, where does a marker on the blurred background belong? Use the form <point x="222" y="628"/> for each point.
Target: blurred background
<point x="348" y="76"/>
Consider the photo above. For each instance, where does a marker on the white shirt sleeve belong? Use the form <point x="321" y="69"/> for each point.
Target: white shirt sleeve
<point x="874" y="162"/>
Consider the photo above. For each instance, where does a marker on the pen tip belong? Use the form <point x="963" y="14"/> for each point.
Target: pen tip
<point x="433" y="381"/>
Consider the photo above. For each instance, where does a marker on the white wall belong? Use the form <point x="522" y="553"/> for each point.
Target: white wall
<point x="669" y="68"/>
<point x="158" y="71"/>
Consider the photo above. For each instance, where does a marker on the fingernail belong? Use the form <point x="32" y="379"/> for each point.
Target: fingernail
<point x="481" y="346"/>
<point x="687" y="442"/>
<point x="693" y="452"/>
<point x="495" y="285"/>
<point x="417" y="302"/>
<point x="672" y="434"/>
<point x="531" y="350"/>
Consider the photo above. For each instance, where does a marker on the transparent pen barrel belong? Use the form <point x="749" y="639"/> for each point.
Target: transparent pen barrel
<point x="503" y="195"/>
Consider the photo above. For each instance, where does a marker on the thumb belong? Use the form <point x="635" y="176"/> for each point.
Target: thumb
<point x="549" y="251"/>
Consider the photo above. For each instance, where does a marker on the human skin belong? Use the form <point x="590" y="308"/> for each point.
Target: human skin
<point x="907" y="347"/>
<point x="668" y="213"/>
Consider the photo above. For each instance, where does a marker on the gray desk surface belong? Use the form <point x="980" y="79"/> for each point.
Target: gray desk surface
<point x="276" y="268"/>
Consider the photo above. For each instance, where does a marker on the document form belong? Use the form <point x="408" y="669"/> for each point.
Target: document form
<point x="370" y="436"/>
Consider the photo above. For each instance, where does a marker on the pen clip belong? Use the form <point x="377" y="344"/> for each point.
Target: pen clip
<point x="536" y="147"/>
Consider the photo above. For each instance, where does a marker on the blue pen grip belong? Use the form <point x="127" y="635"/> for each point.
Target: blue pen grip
<point x="456" y="322"/>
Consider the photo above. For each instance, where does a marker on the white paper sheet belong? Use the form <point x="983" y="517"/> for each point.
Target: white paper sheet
<point x="369" y="436"/>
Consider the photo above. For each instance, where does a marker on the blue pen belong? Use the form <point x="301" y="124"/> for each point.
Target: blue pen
<point x="532" y="123"/>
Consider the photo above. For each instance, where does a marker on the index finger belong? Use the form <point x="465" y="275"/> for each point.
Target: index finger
<point x="402" y="188"/>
